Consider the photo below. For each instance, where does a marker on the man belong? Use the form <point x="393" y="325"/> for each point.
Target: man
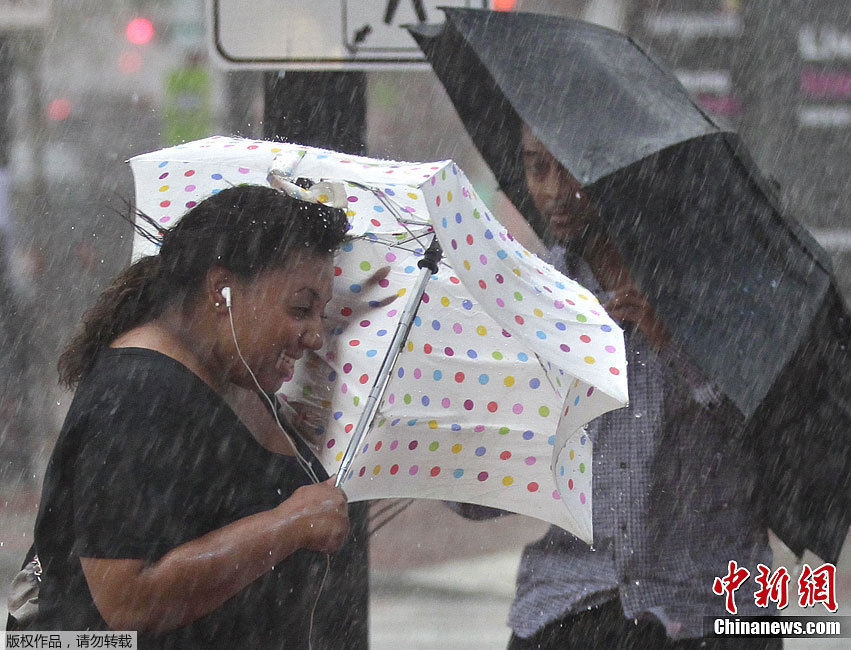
<point x="671" y="503"/>
<point x="572" y="221"/>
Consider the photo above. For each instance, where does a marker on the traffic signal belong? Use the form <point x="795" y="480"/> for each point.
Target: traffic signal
<point x="139" y="31"/>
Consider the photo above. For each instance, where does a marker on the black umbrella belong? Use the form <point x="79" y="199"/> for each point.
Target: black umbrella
<point x="739" y="284"/>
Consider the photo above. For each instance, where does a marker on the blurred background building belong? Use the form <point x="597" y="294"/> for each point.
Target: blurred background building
<point x="86" y="84"/>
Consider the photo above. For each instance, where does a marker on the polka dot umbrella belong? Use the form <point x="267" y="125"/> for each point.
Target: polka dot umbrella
<point x="503" y="364"/>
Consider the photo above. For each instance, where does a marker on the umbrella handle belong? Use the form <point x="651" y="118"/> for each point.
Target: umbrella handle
<point x="432" y="256"/>
<point x="428" y="266"/>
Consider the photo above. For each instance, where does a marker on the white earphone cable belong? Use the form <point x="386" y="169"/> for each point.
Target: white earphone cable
<point x="302" y="461"/>
<point x="316" y="602"/>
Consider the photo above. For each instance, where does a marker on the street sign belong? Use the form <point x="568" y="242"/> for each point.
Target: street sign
<point x="322" y="34"/>
<point x="24" y="14"/>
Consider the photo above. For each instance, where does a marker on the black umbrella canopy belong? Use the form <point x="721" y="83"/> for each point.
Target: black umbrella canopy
<point x="588" y="92"/>
<point x="690" y="214"/>
<point x="739" y="284"/>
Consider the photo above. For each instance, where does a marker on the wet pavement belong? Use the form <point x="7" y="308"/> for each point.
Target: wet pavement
<point x="457" y="588"/>
<point x="464" y="604"/>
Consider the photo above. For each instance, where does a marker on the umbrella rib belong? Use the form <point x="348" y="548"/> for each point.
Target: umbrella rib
<point x="397" y="507"/>
<point x="401" y="247"/>
<point x="547" y="374"/>
<point x="394" y="503"/>
<point x="389" y="205"/>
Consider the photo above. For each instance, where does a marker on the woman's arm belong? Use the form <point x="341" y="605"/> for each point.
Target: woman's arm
<point x="197" y="577"/>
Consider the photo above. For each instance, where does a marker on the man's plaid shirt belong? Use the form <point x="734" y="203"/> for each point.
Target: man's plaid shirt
<point x="671" y="505"/>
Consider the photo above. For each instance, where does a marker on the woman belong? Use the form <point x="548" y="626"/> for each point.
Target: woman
<point x="173" y="503"/>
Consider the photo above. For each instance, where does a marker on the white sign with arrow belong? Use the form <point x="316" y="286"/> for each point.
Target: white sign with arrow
<point x="323" y="34"/>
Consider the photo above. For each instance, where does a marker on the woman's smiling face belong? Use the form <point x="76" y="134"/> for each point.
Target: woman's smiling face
<point x="277" y="315"/>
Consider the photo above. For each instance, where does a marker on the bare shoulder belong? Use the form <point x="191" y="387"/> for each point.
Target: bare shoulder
<point x="149" y="335"/>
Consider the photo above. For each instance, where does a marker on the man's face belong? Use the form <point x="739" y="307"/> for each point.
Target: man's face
<point x="555" y="192"/>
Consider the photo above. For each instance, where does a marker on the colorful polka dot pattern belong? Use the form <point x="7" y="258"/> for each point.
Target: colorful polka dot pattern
<point x="171" y="181"/>
<point x="551" y="314"/>
<point x="468" y="410"/>
<point x="572" y="471"/>
<point x="507" y="359"/>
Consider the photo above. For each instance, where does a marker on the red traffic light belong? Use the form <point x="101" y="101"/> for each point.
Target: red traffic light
<point x="139" y="31"/>
<point x="58" y="109"/>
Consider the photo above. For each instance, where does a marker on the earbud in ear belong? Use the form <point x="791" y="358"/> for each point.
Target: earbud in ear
<point x="226" y="296"/>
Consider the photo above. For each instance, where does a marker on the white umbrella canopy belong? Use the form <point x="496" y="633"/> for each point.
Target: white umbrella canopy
<point x="505" y="363"/>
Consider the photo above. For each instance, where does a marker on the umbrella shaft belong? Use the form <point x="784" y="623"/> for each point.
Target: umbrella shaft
<point x="383" y="376"/>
